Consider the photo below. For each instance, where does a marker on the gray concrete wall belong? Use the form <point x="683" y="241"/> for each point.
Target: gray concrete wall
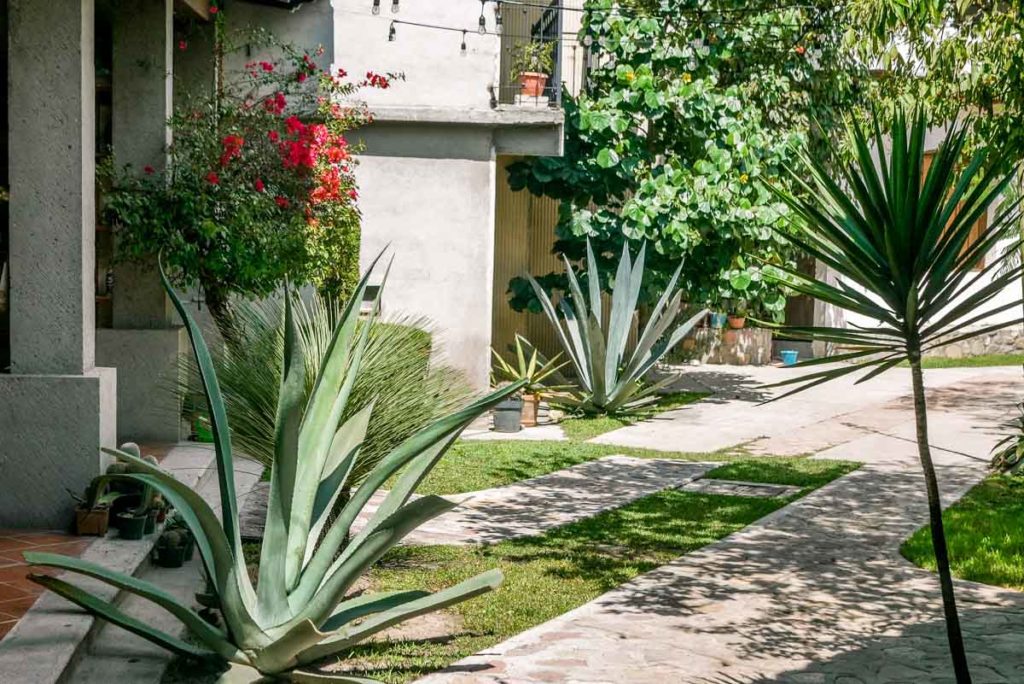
<point x="430" y="196"/>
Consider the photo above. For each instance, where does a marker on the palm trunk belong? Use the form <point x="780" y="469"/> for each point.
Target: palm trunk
<point x="220" y="309"/>
<point x="956" y="640"/>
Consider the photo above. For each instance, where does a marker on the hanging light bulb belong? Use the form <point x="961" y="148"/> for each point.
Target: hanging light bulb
<point x="392" y="33"/>
<point x="376" y="7"/>
<point x="463" y="43"/>
<point x="483" y="21"/>
<point x="394" y="6"/>
<point x="497" y="16"/>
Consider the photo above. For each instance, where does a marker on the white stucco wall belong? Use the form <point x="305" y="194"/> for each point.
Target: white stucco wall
<point x="430" y="198"/>
<point x="437" y="74"/>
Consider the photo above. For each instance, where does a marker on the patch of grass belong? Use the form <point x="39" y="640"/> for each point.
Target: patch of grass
<point x="795" y="472"/>
<point x="582" y="428"/>
<point x="982" y="361"/>
<point x="984" y="534"/>
<point x="553" y="573"/>
<point x="471" y="465"/>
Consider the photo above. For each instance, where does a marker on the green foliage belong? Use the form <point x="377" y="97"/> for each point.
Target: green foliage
<point x="535" y="56"/>
<point x="299" y="612"/>
<point x="529" y="366"/>
<point x="899" y="240"/>
<point x="582" y="428"/>
<point x="986" y="540"/>
<point x="688" y="108"/>
<point x="396" y="376"/>
<point x="609" y="380"/>
<point x="260" y="184"/>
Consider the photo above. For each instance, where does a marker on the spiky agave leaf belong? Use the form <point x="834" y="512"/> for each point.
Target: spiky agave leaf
<point x="609" y="379"/>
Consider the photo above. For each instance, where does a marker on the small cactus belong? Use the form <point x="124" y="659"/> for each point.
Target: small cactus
<point x="117" y="468"/>
<point x="173" y="539"/>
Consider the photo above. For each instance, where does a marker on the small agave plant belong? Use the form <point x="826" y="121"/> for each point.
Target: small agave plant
<point x="610" y="381"/>
<point x="299" y="611"/>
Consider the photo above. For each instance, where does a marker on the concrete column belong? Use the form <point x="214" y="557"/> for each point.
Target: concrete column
<point x="145" y="341"/>
<point x="56" y="408"/>
<point x="52" y="171"/>
<point x="142" y="103"/>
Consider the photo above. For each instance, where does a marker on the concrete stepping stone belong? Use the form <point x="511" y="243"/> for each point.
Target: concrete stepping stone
<point x="736" y="488"/>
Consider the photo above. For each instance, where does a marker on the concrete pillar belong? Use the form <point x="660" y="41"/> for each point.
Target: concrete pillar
<point x="56" y="408"/>
<point x="145" y="341"/>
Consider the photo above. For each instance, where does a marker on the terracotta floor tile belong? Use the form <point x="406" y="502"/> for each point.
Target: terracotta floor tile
<point x="68" y="548"/>
<point x="18" y="606"/>
<point x="9" y="592"/>
<point x="6" y="627"/>
<point x="41" y="538"/>
<point x="8" y="544"/>
<point x="11" y="558"/>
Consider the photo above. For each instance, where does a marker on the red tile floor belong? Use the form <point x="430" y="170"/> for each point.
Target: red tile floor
<point x="17" y="593"/>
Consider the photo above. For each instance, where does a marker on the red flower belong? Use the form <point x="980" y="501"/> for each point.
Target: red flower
<point x="148" y="170"/>
<point x="301" y="77"/>
<point x="232" y="148"/>
<point x="212" y="178"/>
<point x="182" y="45"/>
<point x="294" y="126"/>
<point x="274" y="136"/>
<point x="353" y="194"/>
<point x="259" y="185"/>
<point x="214" y="9"/>
<point x="282" y="201"/>
<point x="799" y="49"/>
<point x="342" y="73"/>
<point x="267" y="66"/>
<point x="275" y="104"/>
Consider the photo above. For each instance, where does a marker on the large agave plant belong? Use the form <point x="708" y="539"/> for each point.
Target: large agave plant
<point x="610" y="381"/>
<point x="299" y="611"/>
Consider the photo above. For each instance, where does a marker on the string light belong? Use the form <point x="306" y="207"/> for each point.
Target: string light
<point x="463" y="43"/>
<point x="483" y="20"/>
<point x="394" y="6"/>
<point x="376" y="7"/>
<point x="392" y="33"/>
<point x="497" y="16"/>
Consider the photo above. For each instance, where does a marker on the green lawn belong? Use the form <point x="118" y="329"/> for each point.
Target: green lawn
<point x="584" y="428"/>
<point x="973" y="361"/>
<point x="551" y="574"/>
<point x="471" y="465"/>
<point x="984" y="533"/>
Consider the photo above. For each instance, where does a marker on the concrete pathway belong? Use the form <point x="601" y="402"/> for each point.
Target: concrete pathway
<point x="816" y="592"/>
<point x="529" y="507"/>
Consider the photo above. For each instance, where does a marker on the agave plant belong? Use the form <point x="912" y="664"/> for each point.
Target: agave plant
<point x="610" y="381"/>
<point x="299" y="611"/>
<point x="407" y="387"/>
<point x="898" y="234"/>
<point x="531" y="366"/>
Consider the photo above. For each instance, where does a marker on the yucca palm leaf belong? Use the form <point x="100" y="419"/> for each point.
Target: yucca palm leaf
<point x="902" y="239"/>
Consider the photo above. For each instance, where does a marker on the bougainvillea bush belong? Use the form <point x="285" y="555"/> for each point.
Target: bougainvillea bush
<point x="260" y="184"/>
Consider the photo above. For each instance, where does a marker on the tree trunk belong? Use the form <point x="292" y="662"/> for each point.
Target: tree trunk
<point x="956" y="640"/>
<point x="220" y="309"/>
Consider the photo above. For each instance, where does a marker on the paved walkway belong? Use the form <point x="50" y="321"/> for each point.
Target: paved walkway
<point x="529" y="507"/>
<point x="814" y="593"/>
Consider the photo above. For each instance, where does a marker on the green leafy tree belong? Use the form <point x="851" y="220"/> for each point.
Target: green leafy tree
<point x="899" y="237"/>
<point x="688" y="107"/>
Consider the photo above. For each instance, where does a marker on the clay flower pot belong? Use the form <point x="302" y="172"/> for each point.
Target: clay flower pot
<point x="531" y="404"/>
<point x="92" y="521"/>
<point x="532" y="83"/>
<point x="737" y="322"/>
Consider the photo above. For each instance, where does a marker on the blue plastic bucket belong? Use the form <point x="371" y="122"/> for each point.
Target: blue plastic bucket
<point x="789" y="356"/>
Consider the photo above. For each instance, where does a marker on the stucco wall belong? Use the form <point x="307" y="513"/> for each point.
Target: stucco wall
<point x="431" y="198"/>
<point x="437" y="74"/>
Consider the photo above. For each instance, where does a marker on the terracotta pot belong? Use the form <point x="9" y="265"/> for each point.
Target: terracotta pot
<point x="737" y="322"/>
<point x="531" y="404"/>
<point x="92" y="521"/>
<point x="532" y="83"/>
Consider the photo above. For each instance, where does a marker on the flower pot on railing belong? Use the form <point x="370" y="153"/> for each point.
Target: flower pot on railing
<point x="737" y="322"/>
<point x="131" y="526"/>
<point x="532" y="83"/>
<point x="717" y="321"/>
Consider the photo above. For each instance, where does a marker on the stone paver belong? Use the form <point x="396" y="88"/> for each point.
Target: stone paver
<point x="529" y="507"/>
<point x="816" y="592"/>
<point x="734" y="488"/>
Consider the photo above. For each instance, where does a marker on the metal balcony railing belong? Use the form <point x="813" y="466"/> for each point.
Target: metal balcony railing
<point x="531" y="54"/>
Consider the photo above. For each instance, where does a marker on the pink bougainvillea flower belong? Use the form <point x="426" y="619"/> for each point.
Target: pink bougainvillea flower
<point x="294" y="125"/>
<point x="148" y="170"/>
<point x="182" y="45"/>
<point x="273" y="135"/>
<point x="300" y="77"/>
<point x="214" y="9"/>
<point x="232" y="147"/>
<point x="267" y="66"/>
<point x="353" y="194"/>
<point x="276" y="103"/>
<point x="212" y="178"/>
<point x="282" y="201"/>
<point x="260" y="187"/>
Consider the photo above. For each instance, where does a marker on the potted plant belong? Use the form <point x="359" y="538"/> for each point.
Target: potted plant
<point x="171" y="549"/>
<point x="92" y="512"/>
<point x="717" y="320"/>
<point x="140" y="521"/>
<point x="532" y="367"/>
<point x="532" y="63"/>
<point x="738" y="317"/>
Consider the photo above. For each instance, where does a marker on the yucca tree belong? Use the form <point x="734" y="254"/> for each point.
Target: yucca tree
<point x="898" y="234"/>
<point x="298" y="611"/>
<point x="610" y="381"/>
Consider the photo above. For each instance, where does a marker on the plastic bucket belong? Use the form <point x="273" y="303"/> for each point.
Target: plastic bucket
<point x="789" y="357"/>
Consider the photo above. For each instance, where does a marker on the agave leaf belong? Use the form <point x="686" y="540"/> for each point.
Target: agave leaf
<point x="210" y="636"/>
<point x="218" y="419"/>
<point x="368" y="604"/>
<point x="351" y="636"/>
<point x="594" y="283"/>
<point x="111" y="613"/>
<point x="624" y="299"/>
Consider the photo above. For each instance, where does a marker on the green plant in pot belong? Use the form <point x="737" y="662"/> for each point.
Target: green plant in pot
<point x="532" y="64"/>
<point x="532" y="368"/>
<point x="171" y="549"/>
<point x="303" y="608"/>
<point x="92" y="511"/>
<point x="738" y="314"/>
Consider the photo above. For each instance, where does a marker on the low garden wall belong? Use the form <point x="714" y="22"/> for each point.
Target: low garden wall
<point x="1007" y="341"/>
<point x="744" y="347"/>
